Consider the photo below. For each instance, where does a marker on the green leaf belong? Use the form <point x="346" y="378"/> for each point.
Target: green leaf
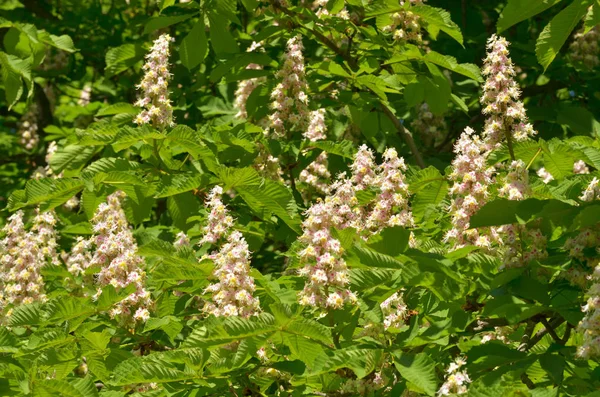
<point x="63" y="42"/>
<point x="128" y="136"/>
<point x="580" y="120"/>
<point x="52" y="192"/>
<point x="557" y="31"/>
<point x="341" y="148"/>
<point x="181" y="207"/>
<point x="171" y="185"/>
<point x="72" y="157"/>
<point x="194" y="46"/>
<point x="516" y="11"/>
<point x="13" y="69"/>
<point x="26" y="315"/>
<point x="119" y="59"/>
<point x="162" y="22"/>
<point x="429" y="188"/>
<point x="117" y="108"/>
<point x="438" y="19"/>
<point x="221" y="39"/>
<point x="418" y="369"/>
<point x="390" y="241"/>
<point x="592" y="18"/>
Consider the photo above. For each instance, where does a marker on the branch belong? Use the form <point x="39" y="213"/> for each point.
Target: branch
<point x="405" y="134"/>
<point x="541" y="333"/>
<point x="554" y="335"/>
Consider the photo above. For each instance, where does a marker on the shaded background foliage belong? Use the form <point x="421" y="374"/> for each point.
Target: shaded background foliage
<point x="53" y="50"/>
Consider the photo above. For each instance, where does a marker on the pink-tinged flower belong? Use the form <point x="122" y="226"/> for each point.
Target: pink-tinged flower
<point x="456" y="381"/>
<point x="232" y="294"/>
<point x="394" y="311"/>
<point x="246" y="87"/>
<point x="115" y="253"/>
<point x="322" y="259"/>
<point x="500" y="98"/>
<point x="316" y="176"/>
<point x="405" y="25"/>
<point x="23" y="254"/>
<point x="390" y="207"/>
<point x="181" y="240"/>
<point x="155" y="86"/>
<point x="592" y="191"/>
<point x="579" y="167"/>
<point x="219" y="220"/>
<point x="317" y="130"/>
<point x="516" y="183"/>
<point x="471" y="177"/>
<point x="545" y="175"/>
<point x="290" y="96"/>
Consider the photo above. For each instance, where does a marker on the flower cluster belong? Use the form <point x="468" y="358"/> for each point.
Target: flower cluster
<point x="219" y="220"/>
<point x="515" y="185"/>
<point x="365" y="386"/>
<point x="23" y="255"/>
<point x="406" y="25"/>
<point x="323" y="264"/>
<point x="116" y="255"/>
<point x="545" y="175"/>
<point x="471" y="177"/>
<point x="579" y="167"/>
<point x="592" y="191"/>
<point x="456" y="381"/>
<point x="317" y="130"/>
<point x="232" y="293"/>
<point x="506" y="113"/>
<point x="28" y="130"/>
<point x="394" y="311"/>
<point x="324" y="267"/>
<point x="155" y="86"/>
<point x="515" y="238"/>
<point x="320" y="8"/>
<point x="316" y="175"/>
<point x="85" y="96"/>
<point x="391" y="204"/>
<point x="584" y="48"/>
<point x="267" y="165"/>
<point x="431" y="128"/>
<point x="182" y="240"/>
<point x="589" y="327"/>
<point x="80" y="256"/>
<point x="245" y="87"/>
<point x="290" y="96"/>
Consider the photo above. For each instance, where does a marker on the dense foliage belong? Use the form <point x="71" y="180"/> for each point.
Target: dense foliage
<point x="285" y="198"/>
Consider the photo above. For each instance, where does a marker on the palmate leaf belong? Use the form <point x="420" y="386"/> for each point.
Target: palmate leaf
<point x="128" y="136"/>
<point x="72" y="157"/>
<point x="171" y="185"/>
<point x="219" y="331"/>
<point x="51" y="192"/>
<point x="54" y="387"/>
<point x="516" y="11"/>
<point x="429" y="188"/>
<point x="145" y="370"/>
<point x="557" y="31"/>
<point x="361" y="361"/>
<point x="8" y="342"/>
<point x="438" y="19"/>
<point x="264" y="196"/>
<point x="119" y="59"/>
<point x="31" y="314"/>
<point x="418" y="369"/>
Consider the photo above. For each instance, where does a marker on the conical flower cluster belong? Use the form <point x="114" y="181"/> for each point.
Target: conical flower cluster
<point x="232" y="294"/>
<point x="290" y="96"/>
<point x="116" y="255"/>
<point x="394" y="311"/>
<point x="246" y="87"/>
<point x="322" y="256"/>
<point x="500" y="100"/>
<point x="155" y="86"/>
<point x="405" y="25"/>
<point x="471" y="177"/>
<point x="22" y="256"/>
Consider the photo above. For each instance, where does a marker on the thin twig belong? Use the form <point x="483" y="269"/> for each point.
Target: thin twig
<point x="405" y="134"/>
